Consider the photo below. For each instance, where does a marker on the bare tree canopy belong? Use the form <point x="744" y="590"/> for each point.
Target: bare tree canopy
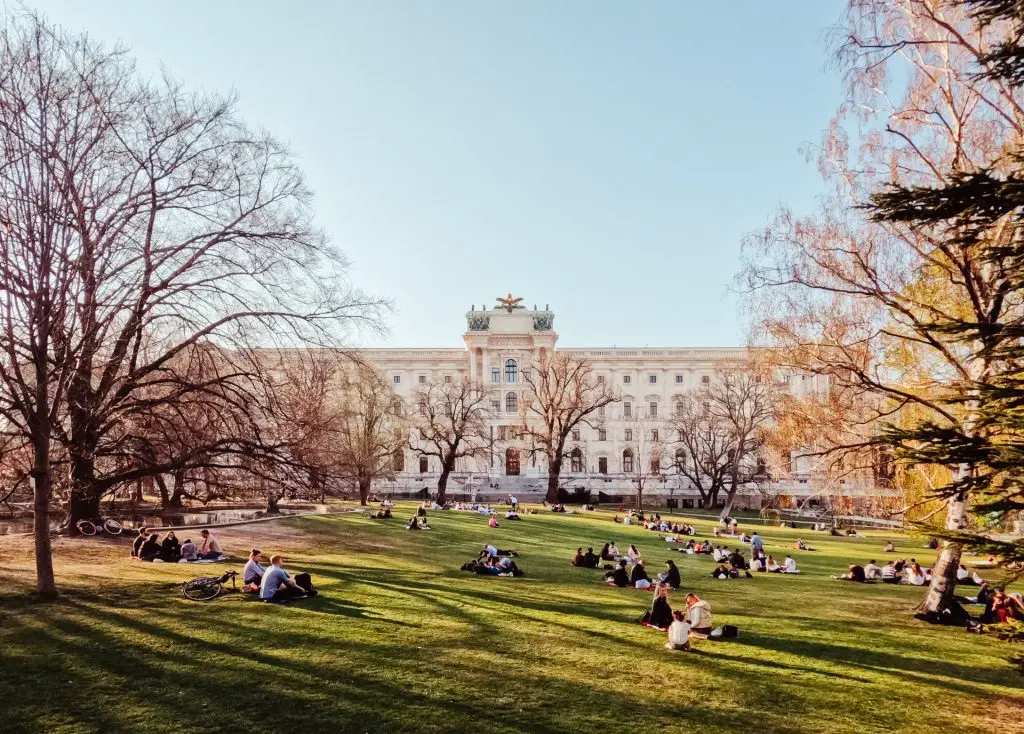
<point x="449" y="425"/>
<point x="563" y="394"/>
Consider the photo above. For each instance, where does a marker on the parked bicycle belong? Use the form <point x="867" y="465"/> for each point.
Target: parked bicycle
<point x="107" y="525"/>
<point x="208" y="588"/>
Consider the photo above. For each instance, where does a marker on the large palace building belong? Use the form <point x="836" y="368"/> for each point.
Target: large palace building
<point x="503" y="341"/>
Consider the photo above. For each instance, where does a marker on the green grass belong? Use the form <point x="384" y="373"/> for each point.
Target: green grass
<point x="401" y="641"/>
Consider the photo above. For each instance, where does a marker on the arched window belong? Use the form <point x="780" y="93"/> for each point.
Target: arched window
<point x="627" y="460"/>
<point x="512" y="462"/>
<point x="511" y="371"/>
<point x="680" y="457"/>
<point x="511" y="403"/>
<point x="576" y="461"/>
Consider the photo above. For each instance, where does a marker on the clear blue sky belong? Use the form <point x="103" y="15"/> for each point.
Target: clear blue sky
<point x="603" y="157"/>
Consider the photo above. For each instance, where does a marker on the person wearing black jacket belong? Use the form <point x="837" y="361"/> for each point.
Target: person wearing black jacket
<point x="737" y="561"/>
<point x="590" y="560"/>
<point x="605" y="554"/>
<point x="577" y="560"/>
<point x="618" y="577"/>
<point x="660" y="613"/>
<point x="150" y="549"/>
<point x="139" y="540"/>
<point x="671" y="575"/>
<point x="638" y="575"/>
<point x="170" y="548"/>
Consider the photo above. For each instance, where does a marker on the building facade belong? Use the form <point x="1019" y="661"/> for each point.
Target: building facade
<point x="502" y="342"/>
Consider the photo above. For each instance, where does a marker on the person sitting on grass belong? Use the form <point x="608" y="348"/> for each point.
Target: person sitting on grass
<point x="618" y="577"/>
<point x="634" y="554"/>
<point x="724" y="572"/>
<point x="511" y="515"/>
<point x="872" y="572"/>
<point x="719" y="554"/>
<point x="252" y="574"/>
<point x="493" y="522"/>
<point x="853" y="573"/>
<point x="915" y="575"/>
<point x="888" y="547"/>
<point x="613" y="551"/>
<point x="772" y="566"/>
<point x="737" y="561"/>
<point x="789" y="565"/>
<point x="966" y="578"/>
<point x="590" y="560"/>
<point x="678" y="632"/>
<point x="189" y="552"/>
<point x="889" y="574"/>
<point x="150" y="549"/>
<point x="577" y="560"/>
<point x="138" y="541"/>
<point x="659" y="615"/>
<point x="801" y="545"/>
<point x="170" y="548"/>
<point x="209" y="548"/>
<point x="277" y="585"/>
<point x="413" y="523"/>
<point x="699" y="614"/>
<point x="638" y="577"/>
<point x="606" y="553"/>
<point x="670" y="577"/>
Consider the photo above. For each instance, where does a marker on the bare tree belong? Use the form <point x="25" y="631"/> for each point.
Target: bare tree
<point x="449" y="425"/>
<point x="701" y="450"/>
<point x="871" y="301"/>
<point x="743" y="399"/>
<point x="371" y="427"/>
<point x="564" y="394"/>
<point x="643" y="455"/>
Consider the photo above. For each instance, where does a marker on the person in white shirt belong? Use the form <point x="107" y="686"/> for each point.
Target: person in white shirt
<point x="871" y="571"/>
<point x="253" y="572"/>
<point x="717" y="554"/>
<point x="678" y="632"/>
<point x="789" y="565"/>
<point x="916" y="576"/>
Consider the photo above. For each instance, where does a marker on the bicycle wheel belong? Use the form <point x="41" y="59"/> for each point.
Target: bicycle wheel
<point x="85" y="527"/>
<point x="112" y="526"/>
<point x="206" y="589"/>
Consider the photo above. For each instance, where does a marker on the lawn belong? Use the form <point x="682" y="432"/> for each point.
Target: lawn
<point x="401" y="641"/>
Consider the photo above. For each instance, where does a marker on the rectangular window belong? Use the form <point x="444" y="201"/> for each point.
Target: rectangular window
<point x="679" y="409"/>
<point x="423" y="379"/>
<point x="602" y="465"/>
<point x="448" y="378"/>
<point x="600" y="379"/>
<point x="424" y="464"/>
<point x="679" y="379"/>
<point x="653" y="409"/>
<point x="705" y="380"/>
<point x="495" y="375"/>
<point x="600" y="411"/>
<point x="655" y="465"/>
<point x="496" y="406"/>
<point x="652" y="379"/>
<point x="576" y="434"/>
<point x="654" y="435"/>
<point x="502" y="433"/>
<point x="627" y="409"/>
<point x="629" y="434"/>
<point x="602" y="435"/>
<point x="627" y="379"/>
<point x="396" y="379"/>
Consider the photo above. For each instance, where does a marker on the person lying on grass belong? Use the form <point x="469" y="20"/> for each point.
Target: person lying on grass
<point x="659" y="615"/>
<point x="724" y="572"/>
<point x="801" y="545"/>
<point x="638" y="577"/>
<point x="853" y="573"/>
<point x="277" y="585"/>
<point x="670" y="577"/>
<point x="490" y="551"/>
<point x="678" y="632"/>
<point x="253" y="572"/>
<point x="699" y="615"/>
<point x="618" y="577"/>
<point x="492" y="566"/>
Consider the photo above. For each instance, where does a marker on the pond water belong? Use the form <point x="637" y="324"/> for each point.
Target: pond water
<point x="178" y="519"/>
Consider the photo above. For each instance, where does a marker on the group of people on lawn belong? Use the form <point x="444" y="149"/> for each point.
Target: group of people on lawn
<point x="902" y="572"/>
<point x="678" y="624"/>
<point x="149" y="546"/>
<point x="272" y="582"/>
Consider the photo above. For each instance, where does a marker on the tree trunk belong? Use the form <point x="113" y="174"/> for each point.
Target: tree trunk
<point x="179" y="490"/>
<point x="730" y="499"/>
<point x="364" y="489"/>
<point x="272" y="499"/>
<point x="137" y="493"/>
<point x="165" y="497"/>
<point x="940" y="592"/>
<point x="554" y="476"/>
<point x="46" y="585"/>
<point x="85" y="497"/>
<point x="442" y="481"/>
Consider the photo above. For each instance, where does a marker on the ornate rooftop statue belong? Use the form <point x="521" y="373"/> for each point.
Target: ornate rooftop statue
<point x="509" y="303"/>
